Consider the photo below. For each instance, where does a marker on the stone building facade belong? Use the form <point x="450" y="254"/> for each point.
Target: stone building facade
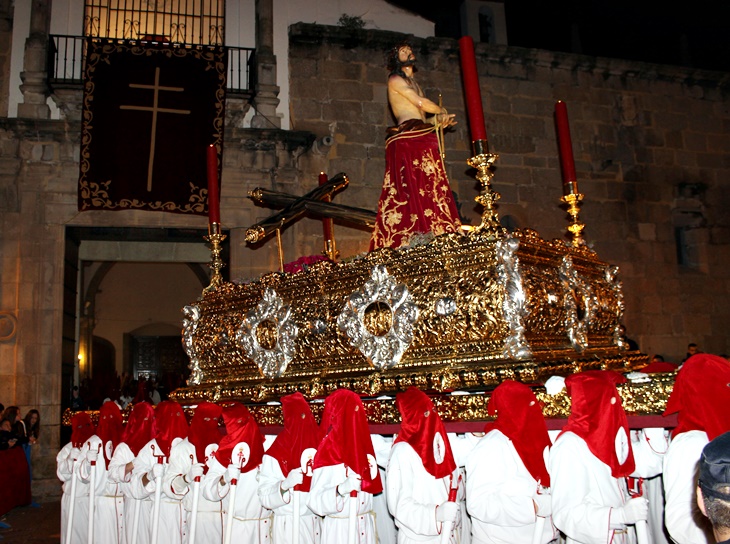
<point x="652" y="149"/>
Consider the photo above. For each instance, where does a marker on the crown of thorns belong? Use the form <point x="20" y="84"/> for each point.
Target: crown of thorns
<point x="391" y="57"/>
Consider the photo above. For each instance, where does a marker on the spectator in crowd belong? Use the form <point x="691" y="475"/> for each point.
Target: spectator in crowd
<point x="12" y="414"/>
<point x="692" y="349"/>
<point x="77" y="402"/>
<point x="713" y="490"/>
<point x="32" y="422"/>
<point x="153" y="392"/>
<point x="658" y="364"/>
<point x="7" y="439"/>
<point x="630" y="343"/>
<point x="127" y="394"/>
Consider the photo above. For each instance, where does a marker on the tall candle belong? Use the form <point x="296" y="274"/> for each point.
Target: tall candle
<point x="470" y="79"/>
<point x="570" y="180"/>
<point x="214" y="211"/>
<point x="327" y="223"/>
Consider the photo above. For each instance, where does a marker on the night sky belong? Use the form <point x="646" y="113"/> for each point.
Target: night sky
<point x="694" y="34"/>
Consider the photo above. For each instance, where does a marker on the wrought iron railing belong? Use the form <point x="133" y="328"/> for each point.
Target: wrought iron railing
<point x="192" y="22"/>
<point x="67" y="54"/>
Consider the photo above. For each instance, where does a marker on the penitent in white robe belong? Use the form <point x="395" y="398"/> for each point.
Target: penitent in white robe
<point x="117" y="474"/>
<point x="499" y="491"/>
<point x="324" y="500"/>
<point x="67" y="463"/>
<point x="251" y="520"/>
<point x="413" y="495"/>
<point x="108" y="498"/>
<point x="210" y="516"/>
<point x="171" y="511"/>
<point x="584" y="493"/>
<point x="649" y="447"/>
<point x="282" y="505"/>
<point x="684" y="521"/>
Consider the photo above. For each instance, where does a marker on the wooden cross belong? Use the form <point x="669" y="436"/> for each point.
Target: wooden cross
<point x="296" y="206"/>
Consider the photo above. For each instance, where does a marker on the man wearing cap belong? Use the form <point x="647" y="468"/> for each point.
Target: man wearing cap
<point x="713" y="489"/>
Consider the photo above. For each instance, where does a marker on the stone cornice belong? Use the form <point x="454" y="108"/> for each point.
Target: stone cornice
<point x="248" y="138"/>
<point x="307" y="33"/>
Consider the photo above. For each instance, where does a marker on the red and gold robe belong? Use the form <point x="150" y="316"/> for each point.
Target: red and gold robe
<point x="416" y="196"/>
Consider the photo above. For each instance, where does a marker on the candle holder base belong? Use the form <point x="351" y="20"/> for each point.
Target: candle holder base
<point x="573" y="200"/>
<point x="330" y="250"/>
<point x="215" y="237"/>
<point x="483" y="162"/>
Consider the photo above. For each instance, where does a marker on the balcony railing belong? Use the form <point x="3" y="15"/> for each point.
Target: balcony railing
<point x="67" y="55"/>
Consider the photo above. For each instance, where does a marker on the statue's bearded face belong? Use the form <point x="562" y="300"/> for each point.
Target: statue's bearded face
<point x="406" y="56"/>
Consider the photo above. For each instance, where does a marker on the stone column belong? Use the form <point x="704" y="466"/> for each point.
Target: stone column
<point x="266" y="97"/>
<point x="35" y="80"/>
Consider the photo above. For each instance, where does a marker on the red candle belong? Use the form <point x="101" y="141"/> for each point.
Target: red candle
<point x="214" y="211"/>
<point x="570" y="180"/>
<point x="327" y="223"/>
<point x="470" y="79"/>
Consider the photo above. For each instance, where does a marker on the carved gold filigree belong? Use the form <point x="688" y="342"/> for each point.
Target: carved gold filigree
<point x="268" y="335"/>
<point x="489" y="309"/>
<point x="190" y="323"/>
<point x="391" y="313"/>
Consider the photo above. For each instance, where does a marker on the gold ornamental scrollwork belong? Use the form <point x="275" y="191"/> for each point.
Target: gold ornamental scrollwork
<point x="515" y="301"/>
<point x="578" y="303"/>
<point x="268" y="335"/>
<point x="190" y="324"/>
<point x="384" y="337"/>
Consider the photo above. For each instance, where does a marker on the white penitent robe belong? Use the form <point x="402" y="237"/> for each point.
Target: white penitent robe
<point x="108" y="498"/>
<point x="210" y="515"/>
<point x="67" y="464"/>
<point x="117" y="474"/>
<point x="499" y="491"/>
<point x="251" y="520"/>
<point x="282" y="505"/>
<point x="324" y="500"/>
<point x="169" y="530"/>
<point x="649" y="447"/>
<point x="413" y="495"/>
<point x="584" y="493"/>
<point x="684" y="521"/>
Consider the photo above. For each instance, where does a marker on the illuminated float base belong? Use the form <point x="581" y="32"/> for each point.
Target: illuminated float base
<point x="453" y="315"/>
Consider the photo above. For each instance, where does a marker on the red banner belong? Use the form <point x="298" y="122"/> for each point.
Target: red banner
<point x="149" y="113"/>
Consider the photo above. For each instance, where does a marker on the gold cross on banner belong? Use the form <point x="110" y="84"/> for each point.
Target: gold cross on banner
<point x="155" y="109"/>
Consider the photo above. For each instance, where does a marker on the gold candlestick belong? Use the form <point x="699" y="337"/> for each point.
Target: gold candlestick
<point x="330" y="250"/>
<point x="216" y="239"/>
<point x="483" y="161"/>
<point x="280" y="248"/>
<point x="573" y="200"/>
